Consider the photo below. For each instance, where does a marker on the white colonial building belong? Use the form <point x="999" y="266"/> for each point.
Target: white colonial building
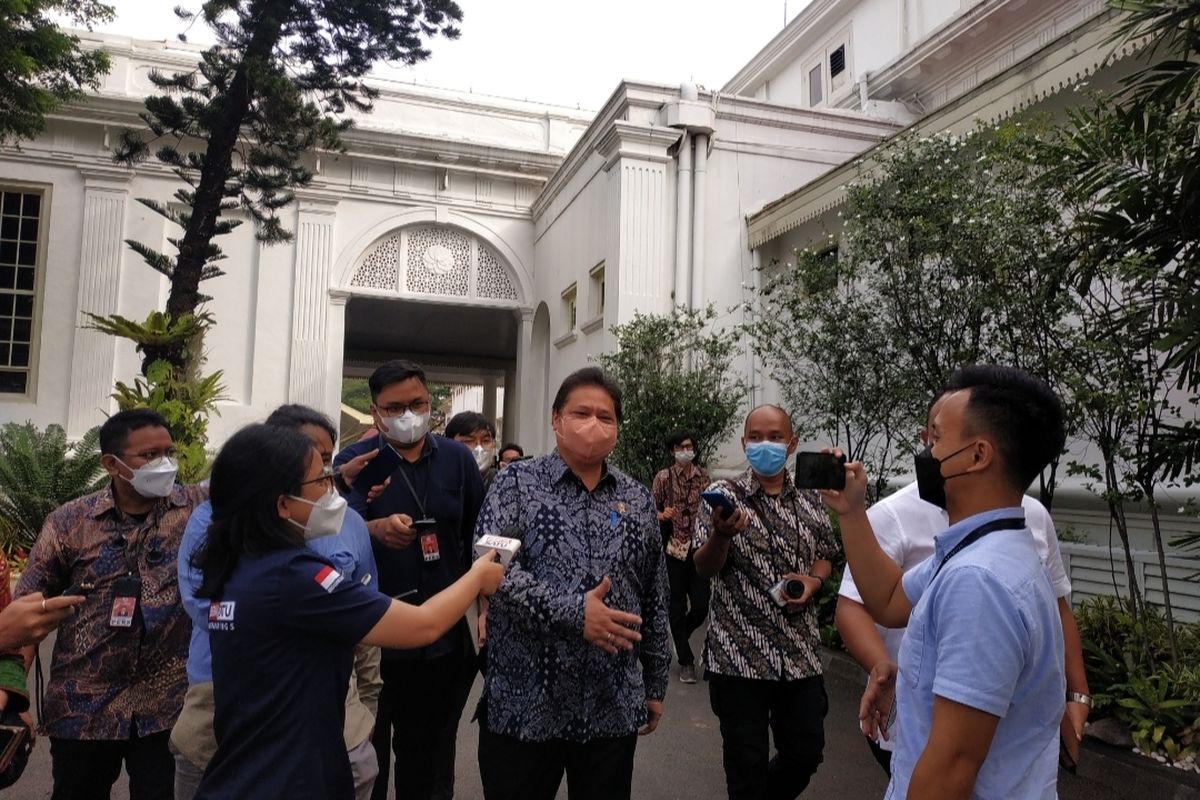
<point x="497" y="242"/>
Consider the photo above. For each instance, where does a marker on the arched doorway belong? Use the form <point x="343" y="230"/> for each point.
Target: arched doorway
<point x="445" y="297"/>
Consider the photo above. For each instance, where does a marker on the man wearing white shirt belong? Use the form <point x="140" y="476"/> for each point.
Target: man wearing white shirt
<point x="905" y="526"/>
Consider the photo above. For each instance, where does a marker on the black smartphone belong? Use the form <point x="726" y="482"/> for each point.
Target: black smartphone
<point x="719" y="502"/>
<point x="820" y="471"/>
<point x="424" y="525"/>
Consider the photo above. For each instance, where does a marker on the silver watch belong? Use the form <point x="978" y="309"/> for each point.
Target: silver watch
<point x="1079" y="697"/>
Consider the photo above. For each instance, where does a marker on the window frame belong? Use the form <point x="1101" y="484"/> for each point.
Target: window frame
<point x="45" y="192"/>
<point x="596" y="276"/>
<point x="570" y="297"/>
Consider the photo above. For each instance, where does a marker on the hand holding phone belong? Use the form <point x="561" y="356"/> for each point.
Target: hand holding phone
<point x="820" y="471"/>
<point x="719" y="502"/>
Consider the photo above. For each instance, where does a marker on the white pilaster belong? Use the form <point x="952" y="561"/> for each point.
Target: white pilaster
<point x="309" y="364"/>
<point x="93" y="354"/>
<point x="641" y="244"/>
<point x="335" y="354"/>
<point x="522" y="408"/>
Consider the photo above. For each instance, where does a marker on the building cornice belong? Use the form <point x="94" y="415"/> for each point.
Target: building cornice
<point x="978" y="44"/>
<point x="641" y="142"/>
<point x="796" y="34"/>
<point x="1068" y="60"/>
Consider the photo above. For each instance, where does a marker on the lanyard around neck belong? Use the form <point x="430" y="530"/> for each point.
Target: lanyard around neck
<point x="1002" y="524"/>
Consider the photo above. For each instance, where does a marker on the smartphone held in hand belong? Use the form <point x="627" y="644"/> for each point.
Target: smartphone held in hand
<point x="820" y="471"/>
<point x="718" y="501"/>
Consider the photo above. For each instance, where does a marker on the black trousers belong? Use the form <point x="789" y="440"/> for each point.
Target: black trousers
<point x="749" y="710"/>
<point x="601" y="769"/>
<point x="689" y="605"/>
<point x="87" y="770"/>
<point x="420" y="705"/>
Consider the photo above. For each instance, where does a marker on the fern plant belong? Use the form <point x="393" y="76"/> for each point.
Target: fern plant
<point x="39" y="471"/>
<point x="181" y="394"/>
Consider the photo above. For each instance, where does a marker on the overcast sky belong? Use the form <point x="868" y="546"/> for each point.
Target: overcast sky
<point x="569" y="53"/>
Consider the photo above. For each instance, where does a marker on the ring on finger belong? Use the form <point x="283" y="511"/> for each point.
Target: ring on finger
<point x="610" y="637"/>
<point x="43" y="605"/>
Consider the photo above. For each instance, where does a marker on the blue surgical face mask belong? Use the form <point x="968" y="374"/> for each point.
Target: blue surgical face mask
<point x="767" y="458"/>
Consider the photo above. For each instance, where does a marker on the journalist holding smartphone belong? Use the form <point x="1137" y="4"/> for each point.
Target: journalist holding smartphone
<point x="760" y="539"/>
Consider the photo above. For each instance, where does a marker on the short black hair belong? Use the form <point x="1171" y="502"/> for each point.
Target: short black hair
<point x="114" y="433"/>
<point x="1022" y="413"/>
<point x="511" y="446"/>
<point x="679" y="437"/>
<point x="588" y="376"/>
<point x="296" y="416"/>
<point x="395" y="371"/>
<point x="464" y="423"/>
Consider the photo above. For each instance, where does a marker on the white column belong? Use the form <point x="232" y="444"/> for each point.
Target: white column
<point x="699" y="200"/>
<point x="521" y="407"/>
<point x="489" y="397"/>
<point x="683" y="221"/>
<point x="309" y="363"/>
<point x="335" y="354"/>
<point x="93" y="354"/>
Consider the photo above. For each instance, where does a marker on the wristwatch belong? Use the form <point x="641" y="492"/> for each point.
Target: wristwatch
<point x="1079" y="697"/>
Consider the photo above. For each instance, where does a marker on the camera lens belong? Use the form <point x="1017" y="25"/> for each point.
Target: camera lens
<point x="794" y="588"/>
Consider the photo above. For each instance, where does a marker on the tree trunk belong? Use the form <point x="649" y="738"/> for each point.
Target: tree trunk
<point x="218" y="160"/>
<point x="1162" y="567"/>
<point x="1116" y="509"/>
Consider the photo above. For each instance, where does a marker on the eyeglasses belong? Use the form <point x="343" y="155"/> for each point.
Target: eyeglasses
<point x="326" y="477"/>
<point x="396" y="409"/>
<point x="154" y="455"/>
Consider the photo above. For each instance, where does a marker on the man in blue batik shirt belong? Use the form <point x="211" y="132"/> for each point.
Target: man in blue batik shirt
<point x="980" y="690"/>
<point x="192" y="739"/>
<point x="578" y="641"/>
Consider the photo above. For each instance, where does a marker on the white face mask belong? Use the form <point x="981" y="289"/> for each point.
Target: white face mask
<point x="685" y="456"/>
<point x="326" y="516"/>
<point x="155" y="479"/>
<point x="406" y="428"/>
<point x="483" y="458"/>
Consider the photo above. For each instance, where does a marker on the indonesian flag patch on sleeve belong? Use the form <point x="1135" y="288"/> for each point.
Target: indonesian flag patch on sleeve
<point x="329" y="578"/>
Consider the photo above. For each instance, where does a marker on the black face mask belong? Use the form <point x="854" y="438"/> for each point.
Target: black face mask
<point x="931" y="483"/>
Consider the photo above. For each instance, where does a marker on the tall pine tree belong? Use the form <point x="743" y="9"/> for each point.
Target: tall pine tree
<point x="274" y="86"/>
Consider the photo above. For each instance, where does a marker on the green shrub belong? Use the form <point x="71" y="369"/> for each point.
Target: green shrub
<point x="39" y="471"/>
<point x="1132" y="679"/>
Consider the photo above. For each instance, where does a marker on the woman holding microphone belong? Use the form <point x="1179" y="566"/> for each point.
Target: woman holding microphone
<point x="283" y="621"/>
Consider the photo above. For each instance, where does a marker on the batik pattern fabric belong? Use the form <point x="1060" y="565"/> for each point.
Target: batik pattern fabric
<point x="107" y="682"/>
<point x="544" y="680"/>
<point x="679" y="487"/>
<point x="749" y="634"/>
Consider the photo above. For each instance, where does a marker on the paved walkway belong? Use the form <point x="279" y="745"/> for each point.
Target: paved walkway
<point x="682" y="759"/>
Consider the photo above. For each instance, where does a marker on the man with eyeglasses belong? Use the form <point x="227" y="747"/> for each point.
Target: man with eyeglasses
<point x="118" y="675"/>
<point x="421" y="525"/>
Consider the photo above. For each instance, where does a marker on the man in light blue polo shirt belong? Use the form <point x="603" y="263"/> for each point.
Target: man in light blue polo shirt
<point x="980" y="691"/>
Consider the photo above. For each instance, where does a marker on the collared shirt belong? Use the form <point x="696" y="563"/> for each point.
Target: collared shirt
<point x="442" y="484"/>
<point x="985" y="633"/>
<point x="749" y="634"/>
<point x="544" y="680"/>
<point x="107" y="681"/>
<point x="349" y="551"/>
<point x="905" y="526"/>
<point x="679" y="487"/>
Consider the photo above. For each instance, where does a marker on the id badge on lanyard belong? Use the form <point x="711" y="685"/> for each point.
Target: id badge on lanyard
<point x="126" y="592"/>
